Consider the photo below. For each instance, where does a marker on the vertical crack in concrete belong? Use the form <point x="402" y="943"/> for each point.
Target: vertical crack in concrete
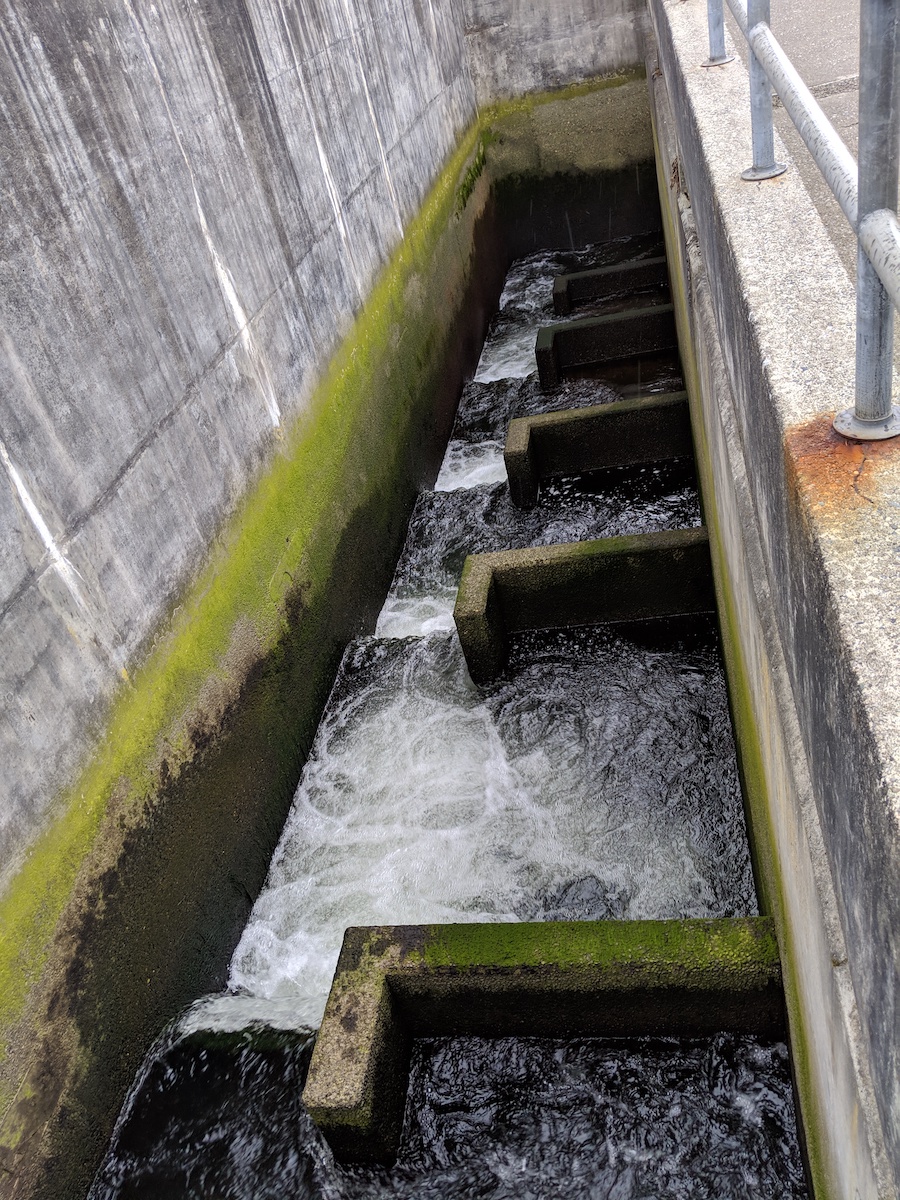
<point x="354" y="38"/>
<point x="330" y="185"/>
<point x="223" y="275"/>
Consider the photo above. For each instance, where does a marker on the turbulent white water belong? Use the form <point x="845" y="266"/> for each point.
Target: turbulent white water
<point x="595" y="779"/>
<point x="470" y="464"/>
<point x="586" y="783"/>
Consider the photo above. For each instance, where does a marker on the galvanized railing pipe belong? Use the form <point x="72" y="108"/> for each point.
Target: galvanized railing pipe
<point x="866" y="194"/>
<point x="879" y="236"/>
<point x="761" y="127"/>
<point x="873" y="415"/>
<point x="822" y="140"/>
<point x="715" y="19"/>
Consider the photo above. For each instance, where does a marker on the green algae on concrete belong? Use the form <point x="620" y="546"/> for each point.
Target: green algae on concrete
<point x="630" y="578"/>
<point x="204" y="743"/>
<point x="557" y="978"/>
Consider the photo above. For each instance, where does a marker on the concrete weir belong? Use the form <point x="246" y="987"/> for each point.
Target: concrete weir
<point x="564" y="978"/>
<point x="582" y="583"/>
<point x="624" y="433"/>
<point x="254" y="249"/>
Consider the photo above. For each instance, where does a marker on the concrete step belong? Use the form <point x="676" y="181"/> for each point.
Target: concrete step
<point x="685" y="978"/>
<point x="598" y="582"/>
<point x="626" y="433"/>
<point x="597" y="340"/>
<point x="605" y="283"/>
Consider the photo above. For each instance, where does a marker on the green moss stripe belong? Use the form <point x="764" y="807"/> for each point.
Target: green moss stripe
<point x="690" y="945"/>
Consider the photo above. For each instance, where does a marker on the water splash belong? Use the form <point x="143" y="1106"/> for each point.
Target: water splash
<point x="593" y="780"/>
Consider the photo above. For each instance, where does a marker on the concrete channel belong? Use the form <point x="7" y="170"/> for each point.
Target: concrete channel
<point x="287" y="345"/>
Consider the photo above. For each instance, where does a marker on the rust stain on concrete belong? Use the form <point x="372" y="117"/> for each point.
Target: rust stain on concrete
<point x="833" y="474"/>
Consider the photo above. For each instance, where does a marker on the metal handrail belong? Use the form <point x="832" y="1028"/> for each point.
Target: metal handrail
<point x="866" y="193"/>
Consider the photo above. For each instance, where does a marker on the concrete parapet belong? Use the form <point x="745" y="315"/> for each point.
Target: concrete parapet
<point x="625" y="433"/>
<point x="583" y="583"/>
<point x="596" y="340"/>
<point x="607" y="283"/>
<point x="803" y="537"/>
<point x="558" y="978"/>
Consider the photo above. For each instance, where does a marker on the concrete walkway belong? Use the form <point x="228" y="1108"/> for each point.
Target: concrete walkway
<point x="822" y="41"/>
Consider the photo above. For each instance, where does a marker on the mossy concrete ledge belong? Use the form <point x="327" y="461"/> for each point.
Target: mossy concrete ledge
<point x="597" y="340"/>
<point x="626" y="433"/>
<point x="560" y="978"/>
<point x="608" y="283"/>
<point x="583" y="583"/>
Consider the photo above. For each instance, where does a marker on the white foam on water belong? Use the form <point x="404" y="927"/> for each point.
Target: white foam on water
<point x="416" y="616"/>
<point x="508" y="354"/>
<point x="427" y="800"/>
<point x="230" y="1012"/>
<point x="470" y="464"/>
<point x="406" y="814"/>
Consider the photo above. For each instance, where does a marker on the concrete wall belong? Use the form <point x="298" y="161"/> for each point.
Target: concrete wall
<point x="803" y="527"/>
<point x="202" y="197"/>
<point x="518" y="46"/>
<point x="238" y="259"/>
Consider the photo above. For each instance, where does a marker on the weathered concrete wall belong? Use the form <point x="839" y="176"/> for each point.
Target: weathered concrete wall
<point x="803" y="531"/>
<point x="201" y="198"/>
<point x="518" y="46"/>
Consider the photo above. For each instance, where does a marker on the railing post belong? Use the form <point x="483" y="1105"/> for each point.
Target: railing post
<point x="764" y="164"/>
<point x="874" y="417"/>
<point x="715" y="17"/>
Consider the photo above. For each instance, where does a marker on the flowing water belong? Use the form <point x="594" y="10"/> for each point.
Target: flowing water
<point x="505" y="1119"/>
<point x="595" y="778"/>
<point x="446" y="526"/>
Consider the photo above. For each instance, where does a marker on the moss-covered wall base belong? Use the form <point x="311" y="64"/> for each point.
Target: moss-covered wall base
<point x="131" y="902"/>
<point x="790" y="864"/>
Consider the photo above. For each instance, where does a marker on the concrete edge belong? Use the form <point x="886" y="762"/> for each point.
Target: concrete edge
<point x="632" y="578"/>
<point x="593" y="977"/>
<point x="629" y="432"/>
<point x="837" y="1095"/>
<point x="594" y="340"/>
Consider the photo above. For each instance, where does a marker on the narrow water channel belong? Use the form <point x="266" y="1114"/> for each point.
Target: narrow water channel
<point x="595" y="778"/>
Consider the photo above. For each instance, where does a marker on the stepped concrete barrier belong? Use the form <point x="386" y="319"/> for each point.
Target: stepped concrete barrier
<point x="608" y="283"/>
<point x="616" y="579"/>
<point x="625" y="433"/>
<point x="597" y="340"/>
<point x="550" y="979"/>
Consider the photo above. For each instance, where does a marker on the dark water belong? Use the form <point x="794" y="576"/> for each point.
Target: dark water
<point x="447" y="526"/>
<point x="509" y="1119"/>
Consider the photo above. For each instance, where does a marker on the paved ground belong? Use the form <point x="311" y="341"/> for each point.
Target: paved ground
<point x="822" y="41"/>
